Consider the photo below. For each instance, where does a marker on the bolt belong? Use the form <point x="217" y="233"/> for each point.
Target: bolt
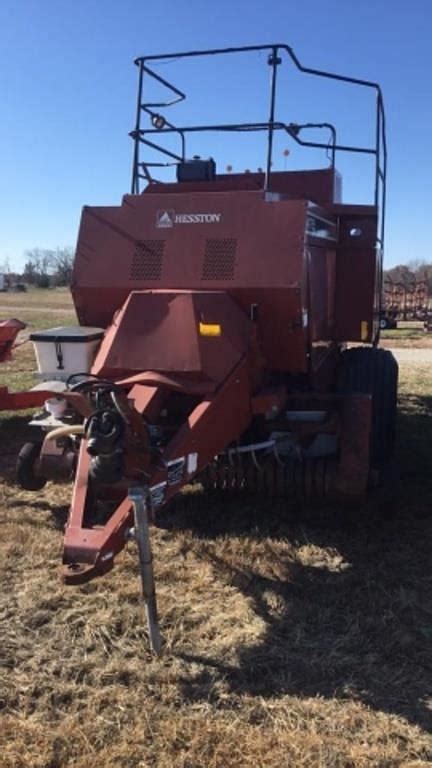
<point x="130" y="534"/>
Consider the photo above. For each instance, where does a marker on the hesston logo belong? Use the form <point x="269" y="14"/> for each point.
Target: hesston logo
<point x="165" y="219"/>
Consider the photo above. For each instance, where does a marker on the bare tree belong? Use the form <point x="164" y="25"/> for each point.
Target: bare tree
<point x="62" y="266"/>
<point x="5" y="266"/>
<point x="38" y="266"/>
<point x="46" y="267"/>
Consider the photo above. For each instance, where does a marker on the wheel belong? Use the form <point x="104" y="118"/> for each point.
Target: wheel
<point x="25" y="467"/>
<point x="373" y="371"/>
<point x="384" y="323"/>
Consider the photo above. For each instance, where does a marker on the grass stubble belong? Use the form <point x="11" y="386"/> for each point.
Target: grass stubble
<point x="292" y="638"/>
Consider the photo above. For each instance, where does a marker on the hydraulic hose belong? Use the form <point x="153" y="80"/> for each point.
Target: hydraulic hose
<point x="66" y="431"/>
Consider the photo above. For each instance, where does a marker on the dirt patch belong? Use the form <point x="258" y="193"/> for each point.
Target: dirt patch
<point x="412" y="355"/>
<point x="29" y="308"/>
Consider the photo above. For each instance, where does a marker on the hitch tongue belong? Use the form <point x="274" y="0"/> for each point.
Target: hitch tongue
<point x="141" y="500"/>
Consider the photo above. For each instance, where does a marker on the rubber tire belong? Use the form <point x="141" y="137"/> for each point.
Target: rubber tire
<point x="25" y="467"/>
<point x="384" y="324"/>
<point x="368" y="370"/>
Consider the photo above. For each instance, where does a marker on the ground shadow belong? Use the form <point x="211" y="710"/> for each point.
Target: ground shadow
<point x="59" y="513"/>
<point x="14" y="432"/>
<point x="362" y="631"/>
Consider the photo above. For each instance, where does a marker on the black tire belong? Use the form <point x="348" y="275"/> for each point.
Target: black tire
<point x="368" y="370"/>
<point x="25" y="467"/>
<point x="384" y="324"/>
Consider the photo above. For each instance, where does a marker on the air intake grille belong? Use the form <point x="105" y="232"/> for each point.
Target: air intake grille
<point x="147" y="260"/>
<point x="219" y="259"/>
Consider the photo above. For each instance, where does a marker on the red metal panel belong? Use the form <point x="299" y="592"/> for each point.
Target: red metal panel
<point x="18" y="401"/>
<point x="269" y="241"/>
<point x="159" y="332"/>
<point x="352" y="472"/>
<point x="9" y="330"/>
<point x="35" y="398"/>
<point x="356" y="278"/>
<point x="148" y="399"/>
<point x="264" y="240"/>
<point x="321" y="186"/>
<point x="252" y="247"/>
<point x="152" y="332"/>
<point x="321" y="293"/>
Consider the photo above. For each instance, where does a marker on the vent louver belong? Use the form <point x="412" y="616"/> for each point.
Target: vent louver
<point x="219" y="259"/>
<point x="147" y="260"/>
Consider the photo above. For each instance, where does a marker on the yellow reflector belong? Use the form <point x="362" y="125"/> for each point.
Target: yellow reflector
<point x="364" y="330"/>
<point x="210" y="329"/>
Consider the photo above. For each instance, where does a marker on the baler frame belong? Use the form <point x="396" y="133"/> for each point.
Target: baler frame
<point x="227" y="303"/>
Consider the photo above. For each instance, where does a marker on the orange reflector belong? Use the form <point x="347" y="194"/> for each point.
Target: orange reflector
<point x="210" y="329"/>
<point x="364" y="330"/>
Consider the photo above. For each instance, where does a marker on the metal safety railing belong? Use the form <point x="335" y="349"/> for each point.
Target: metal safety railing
<point x="146" y="137"/>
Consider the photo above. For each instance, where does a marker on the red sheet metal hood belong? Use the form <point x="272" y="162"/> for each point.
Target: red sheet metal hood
<point x="166" y="332"/>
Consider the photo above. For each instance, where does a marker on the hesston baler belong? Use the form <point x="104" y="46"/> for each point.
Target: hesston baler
<point x="227" y="301"/>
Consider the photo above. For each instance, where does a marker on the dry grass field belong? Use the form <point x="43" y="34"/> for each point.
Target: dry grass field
<point x="293" y="637"/>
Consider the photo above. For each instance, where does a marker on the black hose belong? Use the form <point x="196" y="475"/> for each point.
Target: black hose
<point x="86" y="376"/>
<point x="92" y="382"/>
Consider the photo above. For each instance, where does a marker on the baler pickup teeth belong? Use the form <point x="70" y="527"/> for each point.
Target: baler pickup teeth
<point x="308" y="479"/>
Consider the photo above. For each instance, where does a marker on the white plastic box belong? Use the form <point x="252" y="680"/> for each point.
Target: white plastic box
<point x="65" y="350"/>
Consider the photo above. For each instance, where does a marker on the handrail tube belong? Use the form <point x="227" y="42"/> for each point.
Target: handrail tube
<point x="275" y="49"/>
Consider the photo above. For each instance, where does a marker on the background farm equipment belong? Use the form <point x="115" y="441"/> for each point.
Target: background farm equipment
<point x="406" y="302"/>
<point x="225" y="302"/>
<point x="9" y="330"/>
<point x="16" y="401"/>
<point x="11" y="401"/>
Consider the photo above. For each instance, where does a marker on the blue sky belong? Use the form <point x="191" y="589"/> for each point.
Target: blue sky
<point x="68" y="87"/>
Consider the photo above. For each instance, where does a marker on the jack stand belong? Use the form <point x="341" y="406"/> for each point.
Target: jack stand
<point x="140" y="499"/>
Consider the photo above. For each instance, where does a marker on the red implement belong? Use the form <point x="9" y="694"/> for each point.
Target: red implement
<point x="9" y="330"/>
<point x="228" y="302"/>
